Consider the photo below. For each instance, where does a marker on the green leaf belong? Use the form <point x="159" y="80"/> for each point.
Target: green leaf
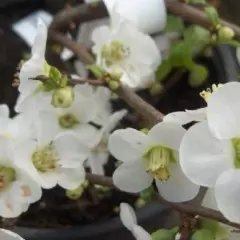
<point x="147" y="194"/>
<point x="174" y="230"/>
<point x="181" y="54"/>
<point x="202" y="234"/>
<point x="212" y="14"/>
<point x="197" y="34"/>
<point x="163" y="70"/>
<point x="174" y="24"/>
<point x="96" y="70"/>
<point x="233" y="43"/>
<point x="54" y="74"/>
<point x="198" y="75"/>
<point x="163" y="234"/>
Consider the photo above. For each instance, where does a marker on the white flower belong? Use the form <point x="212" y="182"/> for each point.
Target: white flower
<point x="151" y="156"/>
<point x="75" y="118"/>
<point x="98" y="142"/>
<point x="149" y="16"/>
<point x="52" y="159"/>
<point x="122" y="47"/>
<point x="209" y="152"/>
<point x="8" y="235"/>
<point x="129" y="220"/>
<point x="34" y="67"/>
<point x="18" y="190"/>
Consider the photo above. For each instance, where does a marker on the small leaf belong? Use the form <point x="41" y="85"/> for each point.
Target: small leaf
<point x="54" y="74"/>
<point x="181" y="54"/>
<point x="203" y="234"/>
<point x="197" y="34"/>
<point x="212" y="14"/>
<point x="163" y="234"/>
<point x="147" y="194"/>
<point x="96" y="70"/>
<point x="198" y="75"/>
<point x="163" y="70"/>
<point x="174" y="24"/>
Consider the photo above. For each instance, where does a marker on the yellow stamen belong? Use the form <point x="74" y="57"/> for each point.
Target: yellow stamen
<point x="208" y="92"/>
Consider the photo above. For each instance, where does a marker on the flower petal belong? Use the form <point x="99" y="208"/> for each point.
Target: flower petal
<point x="167" y="134"/>
<point x="71" y="178"/>
<point x="68" y="146"/>
<point x="209" y="199"/>
<point x="140" y="233"/>
<point x="202" y="157"/>
<point x="178" y="188"/>
<point x="96" y="161"/>
<point x="227" y="194"/>
<point x="127" y="216"/>
<point x="48" y="127"/>
<point x="132" y="177"/>
<point x="187" y="116"/>
<point x="47" y="180"/>
<point x="8" y="235"/>
<point x="127" y="144"/>
<point x="223" y="111"/>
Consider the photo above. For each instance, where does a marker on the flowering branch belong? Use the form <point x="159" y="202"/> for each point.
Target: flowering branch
<point x="86" y="12"/>
<point x="181" y="207"/>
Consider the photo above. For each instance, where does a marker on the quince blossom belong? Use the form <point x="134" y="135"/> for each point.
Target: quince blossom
<point x="123" y="48"/>
<point x="129" y="220"/>
<point x="8" y="235"/>
<point x="209" y="152"/>
<point x="151" y="156"/>
<point x="18" y="189"/>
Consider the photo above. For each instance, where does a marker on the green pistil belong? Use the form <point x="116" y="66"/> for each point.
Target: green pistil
<point x="68" y="121"/>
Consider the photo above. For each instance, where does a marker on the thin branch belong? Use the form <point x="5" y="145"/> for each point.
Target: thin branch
<point x="84" y="13"/>
<point x="94" y="82"/>
<point x="181" y="207"/>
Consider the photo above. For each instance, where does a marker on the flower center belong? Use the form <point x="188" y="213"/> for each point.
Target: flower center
<point x="208" y="92"/>
<point x="236" y="147"/>
<point x="114" y="52"/>
<point x="44" y="159"/>
<point x="158" y="159"/>
<point x="7" y="176"/>
<point x="68" y="120"/>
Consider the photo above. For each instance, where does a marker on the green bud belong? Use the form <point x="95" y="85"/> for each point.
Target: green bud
<point x="63" y="97"/>
<point x="156" y="89"/>
<point x="116" y="75"/>
<point x="77" y="193"/>
<point x="140" y="203"/>
<point x="163" y="234"/>
<point x="114" y="85"/>
<point x="225" y="33"/>
<point x="96" y="70"/>
<point x="203" y="234"/>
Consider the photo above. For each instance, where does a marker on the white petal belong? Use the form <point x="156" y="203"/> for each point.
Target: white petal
<point x="83" y="91"/>
<point x="48" y="127"/>
<point x="127" y="216"/>
<point x="132" y="177"/>
<point x="6" y="150"/>
<point x="167" y="134"/>
<point x="127" y="144"/>
<point x="39" y="45"/>
<point x="187" y="116"/>
<point x="8" y="235"/>
<point x="4" y="111"/>
<point x="141" y="234"/>
<point x="178" y="188"/>
<point x="202" y="157"/>
<point x="47" y="180"/>
<point x="223" y="111"/>
<point x="114" y="119"/>
<point x="68" y="146"/>
<point x="71" y="178"/>
<point x="96" y="161"/>
<point x="227" y="194"/>
<point x="209" y="199"/>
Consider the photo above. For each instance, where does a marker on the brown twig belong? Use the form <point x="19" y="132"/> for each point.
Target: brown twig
<point x="94" y="82"/>
<point x="181" y="207"/>
<point x="84" y="13"/>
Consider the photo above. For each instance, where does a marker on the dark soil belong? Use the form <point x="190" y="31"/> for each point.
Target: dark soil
<point x="55" y="209"/>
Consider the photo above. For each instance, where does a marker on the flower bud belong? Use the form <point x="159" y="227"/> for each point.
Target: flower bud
<point x="114" y="85"/>
<point x="63" y="97"/>
<point x="116" y="75"/>
<point x="225" y="33"/>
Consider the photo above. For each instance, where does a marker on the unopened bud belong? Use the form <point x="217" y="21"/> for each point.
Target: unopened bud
<point x="116" y="75"/>
<point x="156" y="89"/>
<point x="63" y="97"/>
<point x="225" y="33"/>
<point x="114" y="85"/>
